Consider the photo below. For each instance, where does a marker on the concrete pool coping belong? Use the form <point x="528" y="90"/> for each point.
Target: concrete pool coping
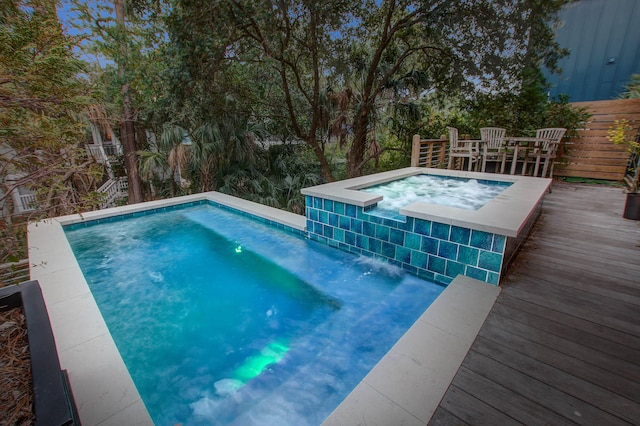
<point x="507" y="214"/>
<point x="405" y="387"/>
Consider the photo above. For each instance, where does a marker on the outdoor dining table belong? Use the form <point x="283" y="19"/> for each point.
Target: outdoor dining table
<point x="521" y="146"/>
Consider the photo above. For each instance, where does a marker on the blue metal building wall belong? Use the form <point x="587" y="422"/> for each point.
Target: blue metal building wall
<point x="603" y="37"/>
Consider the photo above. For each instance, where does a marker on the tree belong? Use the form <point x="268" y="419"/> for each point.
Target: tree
<point x="300" y="50"/>
<point x="127" y="127"/>
<point x="119" y="61"/>
<point x="42" y="101"/>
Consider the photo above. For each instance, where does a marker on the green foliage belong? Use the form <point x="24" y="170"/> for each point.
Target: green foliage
<point x="622" y="133"/>
<point x="42" y="104"/>
<point x="347" y="78"/>
<point x="331" y="71"/>
<point x="40" y="95"/>
<point x="523" y="112"/>
<point x="560" y="113"/>
<point x="291" y="167"/>
<point x="227" y="157"/>
<point x="632" y="89"/>
<point x="520" y="112"/>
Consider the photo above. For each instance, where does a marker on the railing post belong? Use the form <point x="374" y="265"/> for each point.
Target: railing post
<point x="442" y="158"/>
<point x="430" y="156"/>
<point x="415" y="151"/>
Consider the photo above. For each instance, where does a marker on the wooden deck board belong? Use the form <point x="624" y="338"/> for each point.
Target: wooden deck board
<point x="574" y="398"/>
<point x="560" y="328"/>
<point x="579" y="324"/>
<point x="621" y="291"/>
<point x="443" y="417"/>
<point x="518" y="407"/>
<point x="562" y="343"/>
<point x="486" y="361"/>
<point x="592" y="366"/>
<point x="564" y="296"/>
<point x="473" y="411"/>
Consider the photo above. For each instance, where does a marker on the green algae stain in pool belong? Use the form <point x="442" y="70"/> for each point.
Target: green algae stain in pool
<point x="224" y="320"/>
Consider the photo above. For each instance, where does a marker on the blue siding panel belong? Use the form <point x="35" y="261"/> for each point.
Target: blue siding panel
<point x="603" y="37"/>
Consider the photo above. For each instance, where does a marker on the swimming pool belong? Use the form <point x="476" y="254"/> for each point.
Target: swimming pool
<point x="181" y="321"/>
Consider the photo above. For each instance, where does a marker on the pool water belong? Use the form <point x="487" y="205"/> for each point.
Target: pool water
<point x="222" y="319"/>
<point x="469" y="194"/>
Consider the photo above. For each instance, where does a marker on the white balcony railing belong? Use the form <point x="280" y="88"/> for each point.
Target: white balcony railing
<point x="97" y="152"/>
<point x="112" y="149"/>
<point x="23" y="202"/>
<point x="114" y="190"/>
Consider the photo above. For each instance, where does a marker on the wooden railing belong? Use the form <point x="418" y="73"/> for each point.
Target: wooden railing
<point x="591" y="154"/>
<point x="431" y="153"/>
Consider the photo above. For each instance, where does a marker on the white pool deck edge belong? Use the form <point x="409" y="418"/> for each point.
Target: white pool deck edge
<point x="506" y="214"/>
<point x="405" y="387"/>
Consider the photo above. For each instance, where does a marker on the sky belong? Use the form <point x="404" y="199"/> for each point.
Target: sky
<point x="66" y="15"/>
<point x="67" y="18"/>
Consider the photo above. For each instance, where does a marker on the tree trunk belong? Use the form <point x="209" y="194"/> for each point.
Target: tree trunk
<point x="315" y="119"/>
<point x="324" y="164"/>
<point x="355" y="156"/>
<point x="127" y="131"/>
<point x="127" y="128"/>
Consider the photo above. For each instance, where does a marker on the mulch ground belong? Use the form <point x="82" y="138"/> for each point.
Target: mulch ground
<point x="16" y="390"/>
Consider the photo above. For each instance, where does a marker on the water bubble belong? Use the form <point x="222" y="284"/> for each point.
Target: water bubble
<point x="226" y="387"/>
<point x="467" y="194"/>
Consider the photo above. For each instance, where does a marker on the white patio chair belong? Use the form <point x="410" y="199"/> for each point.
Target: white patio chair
<point x="461" y="149"/>
<point x="545" y="151"/>
<point x="493" y="149"/>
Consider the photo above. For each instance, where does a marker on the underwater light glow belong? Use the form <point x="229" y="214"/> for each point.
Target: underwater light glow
<point x="273" y="353"/>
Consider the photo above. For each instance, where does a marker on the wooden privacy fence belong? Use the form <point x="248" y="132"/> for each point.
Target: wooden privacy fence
<point x="590" y="154"/>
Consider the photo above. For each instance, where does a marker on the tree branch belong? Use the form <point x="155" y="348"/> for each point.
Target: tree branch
<point x="377" y="154"/>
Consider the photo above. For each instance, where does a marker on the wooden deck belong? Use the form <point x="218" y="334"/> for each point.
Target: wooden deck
<point x="562" y="343"/>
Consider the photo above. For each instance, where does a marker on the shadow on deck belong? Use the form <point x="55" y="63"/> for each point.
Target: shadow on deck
<point x="562" y="343"/>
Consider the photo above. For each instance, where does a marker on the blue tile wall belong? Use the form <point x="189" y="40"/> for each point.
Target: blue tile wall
<point x="419" y="259"/>
<point x="460" y="235"/>
<point x="436" y="264"/>
<point x="482" y="240"/>
<point x="396" y="236"/>
<point x="412" y="240"/>
<point x="448" y="250"/>
<point x="440" y="231"/>
<point x="432" y="250"/>
<point x="131" y="215"/>
<point x="310" y="222"/>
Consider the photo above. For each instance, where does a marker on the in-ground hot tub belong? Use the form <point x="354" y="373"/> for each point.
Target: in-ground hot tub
<point x="437" y="242"/>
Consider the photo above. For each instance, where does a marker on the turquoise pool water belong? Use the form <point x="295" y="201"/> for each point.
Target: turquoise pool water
<point x="222" y="319"/>
<point x="463" y="193"/>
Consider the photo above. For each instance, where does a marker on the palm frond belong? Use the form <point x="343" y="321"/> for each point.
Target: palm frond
<point x="172" y="136"/>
